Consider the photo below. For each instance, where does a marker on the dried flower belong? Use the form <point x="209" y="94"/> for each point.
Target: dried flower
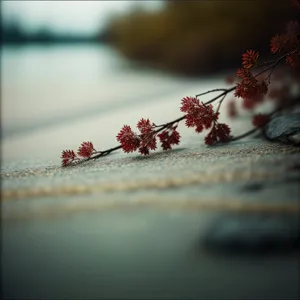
<point x="86" y="149"/>
<point x="249" y="58"/>
<point x="144" y="126"/>
<point x="148" y="141"/>
<point x="250" y="89"/>
<point x="293" y="59"/>
<point x="198" y="115"/>
<point x="260" y="120"/>
<point x="254" y="93"/>
<point x="144" y="150"/>
<point x="219" y="133"/>
<point x="128" y="139"/>
<point x="147" y="136"/>
<point x="67" y="157"/>
<point x="169" y="137"/>
<point x="278" y="43"/>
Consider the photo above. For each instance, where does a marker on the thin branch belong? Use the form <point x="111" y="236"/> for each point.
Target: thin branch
<point x="220" y="103"/>
<point x="227" y="91"/>
<point x="238" y="137"/>
<point x="277" y="59"/>
<point x="211" y="91"/>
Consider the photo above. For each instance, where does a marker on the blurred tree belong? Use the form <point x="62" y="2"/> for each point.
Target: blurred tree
<point x="192" y="37"/>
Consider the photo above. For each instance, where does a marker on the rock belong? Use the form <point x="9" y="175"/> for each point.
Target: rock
<point x="285" y="128"/>
<point x="253" y="187"/>
<point x="253" y="234"/>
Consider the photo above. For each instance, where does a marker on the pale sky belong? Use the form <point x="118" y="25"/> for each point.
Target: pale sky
<point x="75" y="16"/>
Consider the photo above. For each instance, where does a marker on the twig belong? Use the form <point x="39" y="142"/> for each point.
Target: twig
<point x="211" y="91"/>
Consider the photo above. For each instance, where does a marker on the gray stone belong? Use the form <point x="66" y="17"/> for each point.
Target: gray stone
<point x="285" y="128"/>
<point x="253" y="234"/>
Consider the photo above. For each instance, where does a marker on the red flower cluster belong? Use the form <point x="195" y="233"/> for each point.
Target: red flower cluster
<point x="202" y="116"/>
<point x="197" y="114"/>
<point x="279" y="43"/>
<point x="249" y="58"/>
<point x="67" y="156"/>
<point x="146" y="141"/>
<point x="169" y="137"/>
<point x="293" y="59"/>
<point x="260" y="120"/>
<point x="250" y="89"/>
<point x="219" y="133"/>
<point x="130" y="141"/>
<point x="148" y="138"/>
<point x="84" y="151"/>
<point x="287" y="42"/>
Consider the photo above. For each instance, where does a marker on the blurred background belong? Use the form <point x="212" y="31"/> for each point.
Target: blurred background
<point x="74" y="71"/>
<point x="66" y="61"/>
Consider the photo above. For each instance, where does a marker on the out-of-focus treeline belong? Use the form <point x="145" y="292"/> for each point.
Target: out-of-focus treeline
<point x="13" y="33"/>
<point x="197" y="37"/>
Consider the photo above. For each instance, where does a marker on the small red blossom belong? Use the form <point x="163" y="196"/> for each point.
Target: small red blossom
<point x="249" y="58"/>
<point x="86" y="149"/>
<point x="148" y="141"/>
<point x="293" y="59"/>
<point x="144" y="150"/>
<point x="246" y="76"/>
<point x="147" y="137"/>
<point x="169" y="138"/>
<point x="220" y="132"/>
<point x="67" y="157"/>
<point x="144" y="126"/>
<point x="279" y="43"/>
<point x="260" y="120"/>
<point x="254" y="92"/>
<point x="198" y="115"/>
<point x="174" y="137"/>
<point x="250" y="89"/>
<point x="128" y="139"/>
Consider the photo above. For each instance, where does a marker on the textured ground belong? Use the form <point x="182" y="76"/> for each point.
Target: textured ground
<point x="156" y="227"/>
